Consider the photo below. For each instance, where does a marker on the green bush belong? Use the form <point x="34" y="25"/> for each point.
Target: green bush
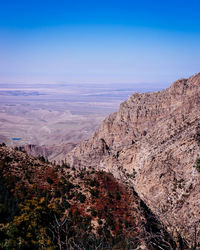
<point x="49" y="180"/>
<point x="68" y="186"/>
<point x="94" y="193"/>
<point x="94" y="213"/>
<point x="197" y="164"/>
<point x="41" y="158"/>
<point x="7" y="159"/>
<point x="94" y="183"/>
<point x="118" y="196"/>
<point x="65" y="203"/>
<point x="81" y="197"/>
<point x="57" y="193"/>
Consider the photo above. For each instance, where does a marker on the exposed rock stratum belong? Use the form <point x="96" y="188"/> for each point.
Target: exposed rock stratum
<point x="152" y="143"/>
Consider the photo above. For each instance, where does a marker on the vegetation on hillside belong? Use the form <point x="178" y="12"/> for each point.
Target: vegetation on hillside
<point x="45" y="206"/>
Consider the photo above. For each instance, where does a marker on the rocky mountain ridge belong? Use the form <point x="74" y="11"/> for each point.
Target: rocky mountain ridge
<point x="152" y="143"/>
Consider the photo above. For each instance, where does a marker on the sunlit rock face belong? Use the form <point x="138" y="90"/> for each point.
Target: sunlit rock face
<point x="152" y="143"/>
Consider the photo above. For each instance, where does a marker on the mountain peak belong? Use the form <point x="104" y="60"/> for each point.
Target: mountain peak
<point x="152" y="143"/>
<point x="182" y="85"/>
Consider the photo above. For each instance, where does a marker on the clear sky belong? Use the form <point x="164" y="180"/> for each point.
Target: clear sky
<point x="98" y="41"/>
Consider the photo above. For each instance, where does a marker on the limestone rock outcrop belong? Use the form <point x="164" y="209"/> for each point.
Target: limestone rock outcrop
<point x="152" y="143"/>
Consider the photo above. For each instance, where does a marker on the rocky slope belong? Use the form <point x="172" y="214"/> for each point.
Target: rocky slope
<point x="50" y="152"/>
<point x="152" y="143"/>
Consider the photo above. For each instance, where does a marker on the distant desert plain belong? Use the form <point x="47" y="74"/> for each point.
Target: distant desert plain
<point x="52" y="115"/>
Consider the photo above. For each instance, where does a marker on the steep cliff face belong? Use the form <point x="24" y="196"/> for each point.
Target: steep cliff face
<point x="152" y="143"/>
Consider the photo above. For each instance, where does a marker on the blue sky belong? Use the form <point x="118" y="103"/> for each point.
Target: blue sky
<point x="153" y="42"/>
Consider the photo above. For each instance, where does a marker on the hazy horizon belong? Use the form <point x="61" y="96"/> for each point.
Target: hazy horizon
<point x="101" y="42"/>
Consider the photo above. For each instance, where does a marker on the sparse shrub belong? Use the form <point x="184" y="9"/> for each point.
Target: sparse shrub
<point x="68" y="186"/>
<point x="100" y="222"/>
<point x="65" y="204"/>
<point x="127" y="224"/>
<point x="197" y="164"/>
<point x="81" y="197"/>
<point x="70" y="196"/>
<point x="110" y="196"/>
<point x="63" y="180"/>
<point x="87" y="219"/>
<point x="110" y="222"/>
<point x="23" y="190"/>
<point x="94" y="193"/>
<point x="57" y="194"/>
<point x="100" y="231"/>
<point x="93" y="213"/>
<point x="94" y="183"/>
<point x="41" y="158"/>
<point x="60" y="184"/>
<point x="7" y="159"/>
<point x="118" y="196"/>
<point x="81" y="175"/>
<point x="49" y="180"/>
